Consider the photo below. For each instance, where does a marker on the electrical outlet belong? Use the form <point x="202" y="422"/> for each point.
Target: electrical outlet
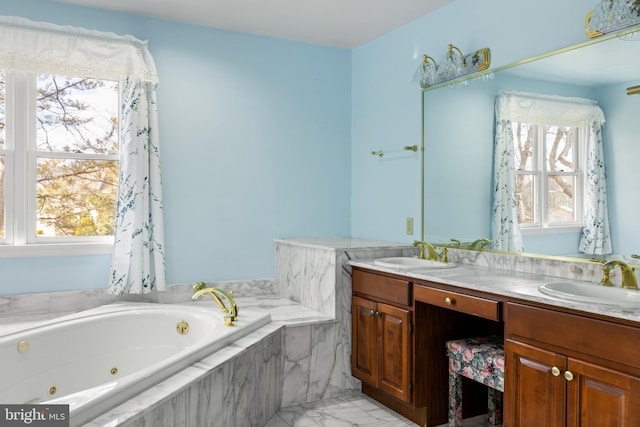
<point x="410" y="226"/>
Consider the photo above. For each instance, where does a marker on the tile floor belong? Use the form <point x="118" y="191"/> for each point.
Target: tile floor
<point x="349" y="411"/>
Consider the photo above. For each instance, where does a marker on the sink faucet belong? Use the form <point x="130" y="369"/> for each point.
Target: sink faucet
<point x="433" y="255"/>
<point x="480" y="243"/>
<point x="230" y="313"/>
<point x="628" y="277"/>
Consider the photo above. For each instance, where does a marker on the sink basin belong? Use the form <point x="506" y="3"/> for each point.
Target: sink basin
<point x="591" y="293"/>
<point x="408" y="263"/>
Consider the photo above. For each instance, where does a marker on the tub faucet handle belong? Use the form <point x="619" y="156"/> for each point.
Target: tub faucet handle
<point x="230" y="313"/>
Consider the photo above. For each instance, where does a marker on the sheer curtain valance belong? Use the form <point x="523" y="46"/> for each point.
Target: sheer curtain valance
<point x="538" y="109"/>
<point x="42" y="47"/>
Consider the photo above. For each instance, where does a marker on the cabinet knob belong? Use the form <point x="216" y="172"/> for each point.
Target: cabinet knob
<point x="448" y="301"/>
<point x="372" y="313"/>
<point x="377" y="314"/>
<point x="568" y="375"/>
<point x="555" y="371"/>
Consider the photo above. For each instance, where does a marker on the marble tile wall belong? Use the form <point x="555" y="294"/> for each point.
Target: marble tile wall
<point x="558" y="267"/>
<point x="317" y="274"/>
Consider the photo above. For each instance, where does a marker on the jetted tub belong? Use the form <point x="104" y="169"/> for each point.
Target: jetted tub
<point x="97" y="359"/>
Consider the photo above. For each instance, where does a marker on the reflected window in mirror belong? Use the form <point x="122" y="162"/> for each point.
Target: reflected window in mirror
<point x="549" y="175"/>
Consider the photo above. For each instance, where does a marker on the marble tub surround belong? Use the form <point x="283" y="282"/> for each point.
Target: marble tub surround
<point x="509" y="283"/>
<point x="240" y="385"/>
<point x="21" y="307"/>
<point x="307" y="361"/>
<point x="317" y="274"/>
<point x="282" y="310"/>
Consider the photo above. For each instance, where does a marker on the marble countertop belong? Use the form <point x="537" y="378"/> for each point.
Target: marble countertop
<point x="507" y="283"/>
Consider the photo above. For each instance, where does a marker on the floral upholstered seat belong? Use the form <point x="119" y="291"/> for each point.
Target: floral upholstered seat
<point x="482" y="360"/>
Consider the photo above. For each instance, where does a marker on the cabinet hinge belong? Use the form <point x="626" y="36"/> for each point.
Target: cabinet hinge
<point x="410" y="387"/>
<point x="410" y="328"/>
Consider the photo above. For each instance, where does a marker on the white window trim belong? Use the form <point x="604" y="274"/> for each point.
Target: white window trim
<point x="55" y="249"/>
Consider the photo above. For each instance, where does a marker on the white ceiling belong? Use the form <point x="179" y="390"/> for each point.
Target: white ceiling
<point x="337" y="23"/>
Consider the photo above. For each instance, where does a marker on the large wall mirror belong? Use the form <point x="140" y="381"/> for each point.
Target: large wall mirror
<point x="459" y="126"/>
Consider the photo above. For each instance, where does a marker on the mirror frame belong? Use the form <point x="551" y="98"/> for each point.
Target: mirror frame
<point x="480" y="74"/>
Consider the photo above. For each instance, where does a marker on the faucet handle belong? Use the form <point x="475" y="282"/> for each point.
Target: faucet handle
<point x="606" y="281"/>
<point x="199" y="286"/>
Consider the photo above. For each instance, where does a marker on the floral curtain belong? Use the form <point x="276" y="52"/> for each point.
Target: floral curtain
<point x="596" y="238"/>
<point x="545" y="109"/>
<point x="137" y="264"/>
<point x="505" y="231"/>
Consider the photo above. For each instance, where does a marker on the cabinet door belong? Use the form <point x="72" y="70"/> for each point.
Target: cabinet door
<point x="598" y="397"/>
<point x="395" y="351"/>
<point x="364" y="336"/>
<point x="535" y="389"/>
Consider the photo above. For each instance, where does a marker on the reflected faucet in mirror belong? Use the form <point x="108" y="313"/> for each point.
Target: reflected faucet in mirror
<point x="628" y="277"/>
<point x="230" y="313"/>
<point x="479" y="243"/>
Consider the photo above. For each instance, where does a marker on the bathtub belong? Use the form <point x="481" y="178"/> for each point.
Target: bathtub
<point x="97" y="359"/>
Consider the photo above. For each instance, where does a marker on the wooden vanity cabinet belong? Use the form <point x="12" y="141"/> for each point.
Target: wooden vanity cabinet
<point x="568" y="370"/>
<point x="382" y="339"/>
<point x="381" y="348"/>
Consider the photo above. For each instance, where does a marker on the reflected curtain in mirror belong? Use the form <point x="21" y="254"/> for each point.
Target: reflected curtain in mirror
<point x="596" y="237"/>
<point x="505" y="229"/>
<point x="554" y="117"/>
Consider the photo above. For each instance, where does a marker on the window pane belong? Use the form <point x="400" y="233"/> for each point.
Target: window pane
<point x="77" y="115"/>
<point x="525" y="196"/>
<point x="559" y="149"/>
<point x="561" y="199"/>
<point x="523" y="146"/>
<point x="76" y="197"/>
<point x="2" y="109"/>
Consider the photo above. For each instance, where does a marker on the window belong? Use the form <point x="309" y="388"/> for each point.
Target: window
<point x="58" y="158"/>
<point x="549" y="175"/>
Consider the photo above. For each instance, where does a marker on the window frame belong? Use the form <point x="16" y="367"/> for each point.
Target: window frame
<point x="21" y="238"/>
<point x="541" y="176"/>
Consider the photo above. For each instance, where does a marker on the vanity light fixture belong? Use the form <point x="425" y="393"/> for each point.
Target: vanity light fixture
<point x="454" y="65"/>
<point x="633" y="90"/>
<point x="612" y="15"/>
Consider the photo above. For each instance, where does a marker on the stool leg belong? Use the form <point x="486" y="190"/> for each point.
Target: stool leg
<point x="495" y="406"/>
<point x="455" y="395"/>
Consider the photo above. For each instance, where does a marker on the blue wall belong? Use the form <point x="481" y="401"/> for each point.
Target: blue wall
<point x="255" y="145"/>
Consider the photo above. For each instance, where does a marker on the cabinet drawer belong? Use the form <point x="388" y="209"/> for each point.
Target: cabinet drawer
<point x="382" y="287"/>
<point x="481" y="307"/>
<point x="572" y="332"/>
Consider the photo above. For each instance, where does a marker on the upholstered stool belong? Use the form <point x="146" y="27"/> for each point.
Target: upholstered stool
<point x="482" y="360"/>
